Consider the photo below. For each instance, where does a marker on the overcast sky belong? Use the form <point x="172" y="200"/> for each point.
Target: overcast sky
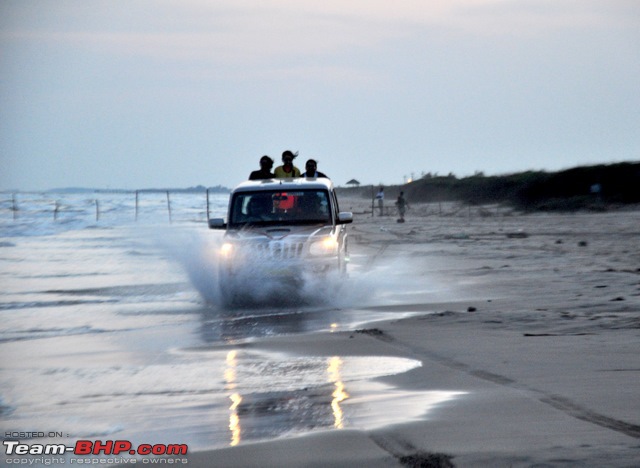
<point x="138" y="94"/>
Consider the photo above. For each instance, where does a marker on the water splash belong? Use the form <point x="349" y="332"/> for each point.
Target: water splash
<point x="393" y="280"/>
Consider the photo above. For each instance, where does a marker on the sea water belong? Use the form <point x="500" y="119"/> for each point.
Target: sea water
<point x="111" y="330"/>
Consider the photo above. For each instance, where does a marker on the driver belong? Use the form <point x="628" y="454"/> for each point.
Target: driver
<point x="310" y="207"/>
<point x="259" y="208"/>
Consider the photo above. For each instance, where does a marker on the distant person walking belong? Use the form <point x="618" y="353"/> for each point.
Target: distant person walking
<point x="402" y="205"/>
<point x="380" y="198"/>
<point x="311" y="169"/>
<point x="287" y="169"/>
<point x="266" y="163"/>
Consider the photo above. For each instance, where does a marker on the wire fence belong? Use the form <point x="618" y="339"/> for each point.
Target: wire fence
<point x="440" y="209"/>
<point x="113" y="205"/>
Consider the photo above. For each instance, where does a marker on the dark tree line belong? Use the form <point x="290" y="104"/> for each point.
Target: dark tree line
<point x="588" y="187"/>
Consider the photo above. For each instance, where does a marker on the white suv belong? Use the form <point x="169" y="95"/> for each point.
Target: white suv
<point x="280" y="230"/>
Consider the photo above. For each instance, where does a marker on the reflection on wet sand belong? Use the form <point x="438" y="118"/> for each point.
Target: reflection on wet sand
<point x="268" y="395"/>
<point x="339" y="394"/>
<point x="230" y="378"/>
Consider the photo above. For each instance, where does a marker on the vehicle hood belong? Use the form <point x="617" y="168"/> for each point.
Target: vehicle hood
<point x="281" y="233"/>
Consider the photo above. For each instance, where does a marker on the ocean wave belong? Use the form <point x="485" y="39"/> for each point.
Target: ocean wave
<point x="40" y="333"/>
<point x="146" y="290"/>
<point x="5" y="410"/>
<point x="41" y="304"/>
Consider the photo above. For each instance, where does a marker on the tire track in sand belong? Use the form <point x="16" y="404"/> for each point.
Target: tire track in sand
<point x="557" y="402"/>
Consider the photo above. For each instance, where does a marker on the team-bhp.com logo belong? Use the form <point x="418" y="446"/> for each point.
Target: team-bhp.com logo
<point x="97" y="447"/>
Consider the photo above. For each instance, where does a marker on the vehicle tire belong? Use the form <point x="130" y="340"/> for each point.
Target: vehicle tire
<point x="342" y="260"/>
<point x="227" y="288"/>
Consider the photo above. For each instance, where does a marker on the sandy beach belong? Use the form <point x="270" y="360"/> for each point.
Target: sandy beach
<point x="466" y="336"/>
<point x="531" y="320"/>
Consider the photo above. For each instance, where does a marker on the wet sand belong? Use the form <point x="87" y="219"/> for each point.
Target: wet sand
<point x="537" y="322"/>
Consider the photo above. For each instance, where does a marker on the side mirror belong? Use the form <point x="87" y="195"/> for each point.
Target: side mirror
<point x="345" y="217"/>
<point x="217" y="223"/>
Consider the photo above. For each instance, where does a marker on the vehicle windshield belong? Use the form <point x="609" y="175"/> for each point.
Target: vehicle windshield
<point x="280" y="207"/>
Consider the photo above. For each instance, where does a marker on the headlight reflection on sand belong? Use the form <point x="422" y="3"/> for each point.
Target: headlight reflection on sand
<point x="234" y="419"/>
<point x="268" y="394"/>
<point x="339" y="394"/>
<point x="230" y="376"/>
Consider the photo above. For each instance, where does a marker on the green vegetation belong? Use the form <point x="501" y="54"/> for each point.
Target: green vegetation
<point x="590" y="188"/>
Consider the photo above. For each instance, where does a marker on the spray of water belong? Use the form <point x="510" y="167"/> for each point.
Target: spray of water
<point x="385" y="281"/>
<point x="195" y="252"/>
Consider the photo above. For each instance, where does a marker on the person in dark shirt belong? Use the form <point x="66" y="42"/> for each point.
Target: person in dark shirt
<point x="311" y="169"/>
<point x="402" y="205"/>
<point x="266" y="163"/>
<point x="380" y="198"/>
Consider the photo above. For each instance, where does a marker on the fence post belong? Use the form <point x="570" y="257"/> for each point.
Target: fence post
<point x="208" y="211"/>
<point x="373" y="203"/>
<point x="55" y="211"/>
<point x="169" y="206"/>
<point x="14" y="206"/>
<point x="97" y="210"/>
<point x="136" y="205"/>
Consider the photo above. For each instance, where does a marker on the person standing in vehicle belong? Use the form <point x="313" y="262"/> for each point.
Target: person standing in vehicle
<point x="311" y="169"/>
<point x="266" y="163"/>
<point x="402" y="205"/>
<point x="287" y="169"/>
<point x="380" y="198"/>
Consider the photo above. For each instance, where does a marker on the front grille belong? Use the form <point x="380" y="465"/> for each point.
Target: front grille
<point x="280" y="250"/>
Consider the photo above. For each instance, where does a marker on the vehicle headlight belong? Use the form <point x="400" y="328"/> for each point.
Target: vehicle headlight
<point x="226" y="250"/>
<point x="326" y="246"/>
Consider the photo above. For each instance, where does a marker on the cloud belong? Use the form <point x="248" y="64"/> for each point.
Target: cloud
<point x="278" y="34"/>
<point x="459" y="79"/>
<point x="251" y="30"/>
